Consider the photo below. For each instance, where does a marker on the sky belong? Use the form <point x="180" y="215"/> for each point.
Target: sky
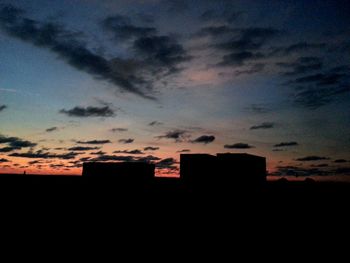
<point x="147" y="80"/>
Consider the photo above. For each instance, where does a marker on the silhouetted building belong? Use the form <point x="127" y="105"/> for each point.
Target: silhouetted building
<point x="242" y="168"/>
<point x="197" y="169"/>
<point x="223" y="171"/>
<point x="137" y="172"/>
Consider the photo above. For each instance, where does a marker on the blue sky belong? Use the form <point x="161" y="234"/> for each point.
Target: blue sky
<point x="264" y="77"/>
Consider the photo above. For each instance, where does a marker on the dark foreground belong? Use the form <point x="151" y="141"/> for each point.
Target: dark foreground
<point x="166" y="204"/>
<point x="108" y="188"/>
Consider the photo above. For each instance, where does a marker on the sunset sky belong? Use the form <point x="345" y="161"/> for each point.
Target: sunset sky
<point x="144" y="80"/>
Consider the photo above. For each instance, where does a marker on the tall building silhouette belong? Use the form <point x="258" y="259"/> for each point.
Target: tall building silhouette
<point x="223" y="171"/>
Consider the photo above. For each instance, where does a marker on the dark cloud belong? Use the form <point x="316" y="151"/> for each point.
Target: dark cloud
<point x="52" y="129"/>
<point x="340" y="161"/>
<point x="265" y="125"/>
<point x="162" y="54"/>
<point x="316" y="97"/>
<point x="299" y="171"/>
<point x="94" y="142"/>
<point x="148" y="159"/>
<point x="315" y="90"/>
<point x="320" y="165"/>
<point x="342" y="171"/>
<point x="45" y="155"/>
<point x="119" y="130"/>
<point x="320" y="79"/>
<point x="79" y="148"/>
<point x="69" y="48"/>
<point x="168" y="163"/>
<point x="89" y="112"/>
<point x="286" y="144"/>
<point x="258" y="109"/>
<point x="256" y="68"/>
<point x="177" y="135"/>
<point x="240" y="45"/>
<point x="2" y="107"/>
<point x="98" y="153"/>
<point x="239" y="58"/>
<point x="136" y="152"/>
<point x="9" y="149"/>
<point x="301" y="66"/>
<point x="155" y="123"/>
<point x="14" y="143"/>
<point x="3" y="160"/>
<point x="151" y="148"/>
<point x="238" y="146"/>
<point x="126" y="141"/>
<point x="204" y="139"/>
<point x="184" y="151"/>
<point x="312" y="158"/>
<point x="122" y="28"/>
<point x="298" y="48"/>
<point x="106" y="158"/>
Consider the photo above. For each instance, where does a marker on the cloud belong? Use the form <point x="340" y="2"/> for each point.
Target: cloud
<point x="255" y="68"/>
<point x="315" y="90"/>
<point x="52" y="129"/>
<point x="79" y="148"/>
<point x="320" y="79"/>
<point x="301" y="66"/>
<point x="94" y="142"/>
<point x="106" y="158"/>
<point x="316" y="97"/>
<point x="168" y="163"/>
<point x="239" y="58"/>
<point x="89" y="112"/>
<point x="98" y="153"/>
<point x="45" y="155"/>
<point x="148" y="159"/>
<point x="162" y="53"/>
<point x="286" y="144"/>
<point x="299" y="171"/>
<point x="204" y="139"/>
<point x="298" y="48"/>
<point x="126" y="141"/>
<point x="238" y="146"/>
<point x="3" y="160"/>
<point x="155" y="123"/>
<point x="2" y="107"/>
<point x="119" y="130"/>
<point x="151" y="148"/>
<point x="67" y="46"/>
<point x="177" y="135"/>
<point x="14" y="143"/>
<point x="265" y="125"/>
<point x="312" y="158"/>
<point x="340" y="161"/>
<point x="9" y="149"/>
<point x="136" y="151"/>
<point x="122" y="28"/>
<point x="184" y="151"/>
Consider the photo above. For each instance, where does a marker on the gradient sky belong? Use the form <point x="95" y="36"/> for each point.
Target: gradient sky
<point x="123" y="80"/>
